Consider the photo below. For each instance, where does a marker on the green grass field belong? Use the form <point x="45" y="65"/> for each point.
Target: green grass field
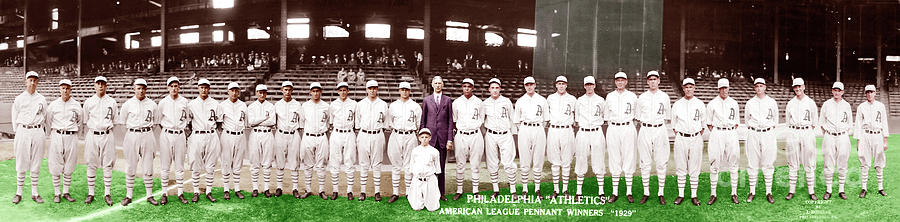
<point x="874" y="207"/>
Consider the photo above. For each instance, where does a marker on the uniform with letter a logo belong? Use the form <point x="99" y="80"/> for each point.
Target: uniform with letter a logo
<point x="731" y="116"/>
<point x="628" y="108"/>
<point x="660" y="111"/>
<point x="597" y="112"/>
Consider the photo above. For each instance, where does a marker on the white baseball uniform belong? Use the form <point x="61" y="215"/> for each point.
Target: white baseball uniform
<point x="137" y="116"/>
<point x="173" y="117"/>
<point x="468" y="145"/>
<point x="342" y="142"/>
<point x="499" y="146"/>
<point x="404" y="119"/>
<point x="531" y="114"/>
<point x="65" y="118"/>
<point x="261" y="117"/>
<point x="28" y="118"/>
<point x="561" y="138"/>
<point x="836" y="119"/>
<point x="688" y="119"/>
<point x="761" y="116"/>
<point x="203" y="145"/>
<point x="314" y="147"/>
<point x="590" y="139"/>
<point x="801" y="115"/>
<point x="424" y="162"/>
<point x="871" y="129"/>
<point x="370" y="119"/>
<point x="233" y="116"/>
<point x="654" y="108"/>
<point x="620" y="136"/>
<point x="287" y="142"/>
<point x="99" y="142"/>
<point x="724" y="149"/>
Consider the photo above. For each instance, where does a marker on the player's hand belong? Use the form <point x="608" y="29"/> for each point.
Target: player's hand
<point x="449" y="145"/>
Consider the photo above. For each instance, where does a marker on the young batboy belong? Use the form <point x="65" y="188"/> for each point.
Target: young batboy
<point x="424" y="163"/>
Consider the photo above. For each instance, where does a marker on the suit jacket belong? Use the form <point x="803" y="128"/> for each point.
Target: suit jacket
<point x="439" y="119"/>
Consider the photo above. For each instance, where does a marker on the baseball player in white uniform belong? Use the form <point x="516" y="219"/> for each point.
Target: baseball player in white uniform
<point x="689" y="121"/>
<point x="261" y="118"/>
<point x="233" y="120"/>
<point x="203" y="145"/>
<point x="424" y="162"/>
<point x="371" y="114"/>
<point x="287" y="140"/>
<point x="654" y="108"/>
<point x="590" y="140"/>
<point x="28" y="118"/>
<point x="560" y="137"/>
<point x="314" y="147"/>
<point x="531" y="114"/>
<point x="404" y="118"/>
<point x="621" y="106"/>
<point x="499" y="147"/>
<point x="469" y="142"/>
<point x="801" y="115"/>
<point x="65" y="117"/>
<point x="99" y="146"/>
<point x="836" y="120"/>
<point x="761" y="116"/>
<point x="872" y="131"/>
<point x="173" y="117"/>
<point x="723" y="117"/>
<point x="342" y="142"/>
<point x="140" y="146"/>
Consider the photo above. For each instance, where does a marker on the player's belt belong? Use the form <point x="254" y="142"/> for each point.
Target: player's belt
<point x="531" y="124"/>
<point x="423" y="179"/>
<point x="620" y="124"/>
<point x="800" y="127"/>
<point x="238" y="133"/>
<point x="873" y="132"/>
<point x="835" y="134"/>
<point x="174" y="131"/>
<point x="32" y="126"/>
<point x="590" y="130"/>
<point x="262" y="130"/>
<point x="315" y="135"/>
<point x="496" y="132"/>
<point x="467" y="132"/>
<point x="725" y="128"/>
<point x="287" y="132"/>
<point x="204" y="131"/>
<point x="688" y="135"/>
<point x="559" y="127"/>
<point x="101" y="132"/>
<point x="343" y="131"/>
<point x="140" y="130"/>
<point x="63" y="132"/>
<point x="371" y="131"/>
<point x="761" y="130"/>
<point x="650" y="125"/>
<point x="404" y="132"/>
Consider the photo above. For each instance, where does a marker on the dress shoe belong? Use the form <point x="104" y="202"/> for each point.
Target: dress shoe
<point x="695" y="201"/>
<point x="842" y="195"/>
<point x="108" y="200"/>
<point x="362" y="196"/>
<point x="565" y="194"/>
<point x="770" y="198"/>
<point x="750" y="197"/>
<point x="37" y="199"/>
<point x="603" y="197"/>
<point x="210" y="197"/>
<point x="322" y="195"/>
<point x="734" y="199"/>
<point x="349" y="195"/>
<point x="56" y="198"/>
<point x="813" y="197"/>
<point x="278" y="192"/>
<point x="539" y="195"/>
<point x="826" y="196"/>
<point x="87" y="200"/>
<point x="254" y="193"/>
<point x="334" y="195"/>
<point x="378" y="196"/>
<point x="18" y="198"/>
<point x="612" y="199"/>
<point x="305" y="195"/>
<point x="476" y="195"/>
<point x="393" y="198"/>
<point x="68" y="197"/>
<point x="516" y="197"/>
<point x="126" y="201"/>
<point x="678" y="200"/>
<point x="630" y="198"/>
<point x="195" y="198"/>
<point x="662" y="200"/>
<point x="712" y="200"/>
<point x="239" y="195"/>
<point x="577" y="197"/>
<point x="443" y="198"/>
<point x="553" y="195"/>
<point x="644" y="199"/>
<point x="152" y="201"/>
<point x="495" y="194"/>
<point x="862" y="193"/>
<point x="882" y="193"/>
<point x="182" y="199"/>
<point x="296" y="194"/>
<point x="267" y="194"/>
<point x="457" y="196"/>
<point x="789" y="196"/>
<point x="164" y="199"/>
<point x="226" y="196"/>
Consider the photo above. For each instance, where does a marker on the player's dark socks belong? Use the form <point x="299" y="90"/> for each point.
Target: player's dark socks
<point x="393" y="198"/>
<point x="68" y="197"/>
<point x="37" y="199"/>
<point x="712" y="200"/>
<point x="152" y="201"/>
<point x="87" y="200"/>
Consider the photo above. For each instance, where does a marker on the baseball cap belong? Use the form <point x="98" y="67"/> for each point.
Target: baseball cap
<point x="687" y="81"/>
<point x="424" y="130"/>
<point x="759" y="81"/>
<point x="405" y="85"/>
<point x="652" y="73"/>
<point x="797" y="82"/>
<point x="343" y="84"/>
<point x="562" y="79"/>
<point x="233" y="85"/>
<point x="495" y="80"/>
<point x="287" y="83"/>
<point x="723" y="83"/>
<point x="203" y="82"/>
<point x="870" y="88"/>
<point x="373" y="83"/>
<point x="172" y="79"/>
<point x="140" y="82"/>
<point x="838" y="85"/>
<point x="262" y="87"/>
<point x="529" y="80"/>
<point x="65" y="82"/>
<point x="99" y="78"/>
<point x="469" y="81"/>
<point x="589" y="80"/>
<point x="314" y="85"/>
<point x="621" y="75"/>
<point x="31" y="74"/>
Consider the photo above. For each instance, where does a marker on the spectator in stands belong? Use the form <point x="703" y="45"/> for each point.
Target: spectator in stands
<point x="341" y="75"/>
<point x="360" y="76"/>
<point x="457" y="65"/>
<point x="467" y="61"/>
<point x="520" y="67"/>
<point x="485" y="65"/>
